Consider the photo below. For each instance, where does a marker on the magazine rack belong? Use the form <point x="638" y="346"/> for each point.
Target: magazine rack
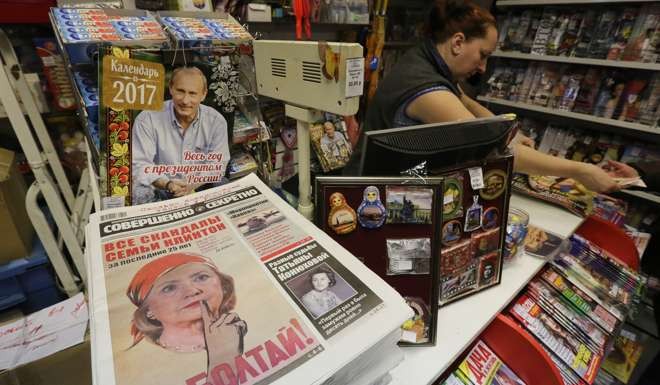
<point x="610" y="238"/>
<point x="521" y="352"/>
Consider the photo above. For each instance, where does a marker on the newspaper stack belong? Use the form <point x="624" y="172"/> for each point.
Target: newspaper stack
<point x="233" y="286"/>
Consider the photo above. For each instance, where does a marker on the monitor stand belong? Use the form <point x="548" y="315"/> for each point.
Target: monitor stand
<point x="304" y="117"/>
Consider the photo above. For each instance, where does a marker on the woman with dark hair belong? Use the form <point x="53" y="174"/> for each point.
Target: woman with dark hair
<point x="423" y="87"/>
<point x="320" y="299"/>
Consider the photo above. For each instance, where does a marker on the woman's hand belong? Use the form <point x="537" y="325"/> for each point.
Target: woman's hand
<point x="523" y="140"/>
<point x="224" y="340"/>
<point x="595" y="178"/>
<point x="620" y="170"/>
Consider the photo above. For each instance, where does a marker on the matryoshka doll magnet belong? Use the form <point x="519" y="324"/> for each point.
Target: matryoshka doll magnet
<point x="371" y="212"/>
<point x="342" y="218"/>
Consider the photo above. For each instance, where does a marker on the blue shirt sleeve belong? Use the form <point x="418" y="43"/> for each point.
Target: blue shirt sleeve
<point x="144" y="150"/>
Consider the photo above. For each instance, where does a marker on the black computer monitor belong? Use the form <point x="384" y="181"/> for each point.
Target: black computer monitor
<point x="441" y="145"/>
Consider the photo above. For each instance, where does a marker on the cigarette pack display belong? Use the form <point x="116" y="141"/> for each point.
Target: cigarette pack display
<point x="571" y="351"/>
<point x="528" y="39"/>
<point x="519" y="72"/>
<point x="586" y="33"/>
<point x="649" y="109"/>
<point x="544" y="88"/>
<point x="512" y="31"/>
<point x="523" y="91"/>
<point x="603" y="35"/>
<point x="612" y="86"/>
<point x="623" y="31"/>
<point x="641" y="44"/>
<point x="586" y="96"/>
<point x="521" y="31"/>
<point x="571" y="91"/>
<point x="503" y="23"/>
<point x="631" y="100"/>
<point x="483" y="367"/>
<point x="558" y="33"/>
<point x="572" y="34"/>
<point x="544" y="31"/>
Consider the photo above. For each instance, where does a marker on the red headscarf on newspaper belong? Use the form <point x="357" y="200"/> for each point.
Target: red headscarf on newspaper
<point x="144" y="279"/>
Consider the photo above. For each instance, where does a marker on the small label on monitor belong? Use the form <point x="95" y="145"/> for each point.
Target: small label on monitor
<point x="476" y="178"/>
<point x="354" y="77"/>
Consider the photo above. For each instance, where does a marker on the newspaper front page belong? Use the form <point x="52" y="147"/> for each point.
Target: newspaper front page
<point x="228" y="286"/>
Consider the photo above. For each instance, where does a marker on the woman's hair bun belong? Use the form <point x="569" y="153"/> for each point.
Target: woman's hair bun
<point x="447" y="17"/>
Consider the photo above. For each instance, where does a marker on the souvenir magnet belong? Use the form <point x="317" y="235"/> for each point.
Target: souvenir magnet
<point x="490" y="218"/>
<point x="408" y="256"/>
<point x="473" y="215"/>
<point x="371" y="212"/>
<point x="485" y="242"/>
<point x="410" y="205"/>
<point x="459" y="283"/>
<point x="342" y="218"/>
<point x="494" y="184"/>
<point x="455" y="257"/>
<point x="488" y="268"/>
<point x="289" y="137"/>
<point x="451" y="232"/>
<point x="416" y="329"/>
<point x="452" y="200"/>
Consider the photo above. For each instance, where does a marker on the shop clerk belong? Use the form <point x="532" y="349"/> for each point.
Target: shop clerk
<point x="184" y="125"/>
<point x="423" y="87"/>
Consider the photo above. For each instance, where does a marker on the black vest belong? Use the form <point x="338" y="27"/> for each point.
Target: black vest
<point x="420" y="68"/>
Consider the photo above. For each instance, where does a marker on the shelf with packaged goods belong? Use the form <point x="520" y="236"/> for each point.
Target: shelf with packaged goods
<point x="643" y="195"/>
<point x="577" y="60"/>
<point x="513" y="3"/>
<point x="573" y="115"/>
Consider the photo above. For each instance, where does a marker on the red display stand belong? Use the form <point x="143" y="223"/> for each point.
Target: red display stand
<point x="610" y="238"/>
<point x="521" y="352"/>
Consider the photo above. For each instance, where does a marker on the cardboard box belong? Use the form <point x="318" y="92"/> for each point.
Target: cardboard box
<point x="72" y="366"/>
<point x="15" y="226"/>
<point x="259" y="12"/>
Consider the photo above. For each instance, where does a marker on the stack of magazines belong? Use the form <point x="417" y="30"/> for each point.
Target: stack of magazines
<point x="576" y="306"/>
<point x="482" y="366"/>
<point x="233" y="286"/>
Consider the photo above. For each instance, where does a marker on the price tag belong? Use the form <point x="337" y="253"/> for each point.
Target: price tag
<point x="448" y="198"/>
<point x="408" y="336"/>
<point x="132" y="84"/>
<point x="354" y="77"/>
<point x="401" y="265"/>
<point x="476" y="178"/>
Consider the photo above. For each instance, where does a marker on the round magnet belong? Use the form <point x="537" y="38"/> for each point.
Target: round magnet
<point x="452" y="198"/>
<point x="490" y="218"/>
<point x="494" y="184"/>
<point x="451" y="232"/>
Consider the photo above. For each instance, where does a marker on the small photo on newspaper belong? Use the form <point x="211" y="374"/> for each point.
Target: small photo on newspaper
<point x="321" y="290"/>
